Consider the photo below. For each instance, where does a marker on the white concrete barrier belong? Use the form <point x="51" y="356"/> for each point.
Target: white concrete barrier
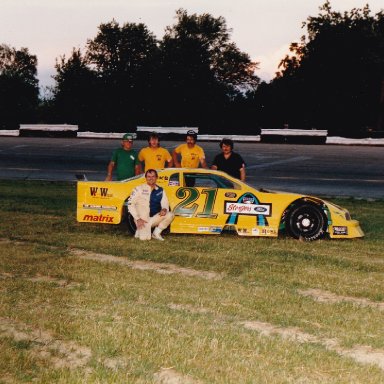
<point x="49" y="127"/>
<point x="295" y="132"/>
<point x="9" y="132"/>
<point x="103" y="135"/>
<point x="179" y="130"/>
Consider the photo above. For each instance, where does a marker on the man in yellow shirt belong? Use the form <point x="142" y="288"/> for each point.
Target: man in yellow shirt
<point x="154" y="156"/>
<point x="192" y="155"/>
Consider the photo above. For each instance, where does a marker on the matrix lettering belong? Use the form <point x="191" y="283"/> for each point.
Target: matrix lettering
<point x="98" y="218"/>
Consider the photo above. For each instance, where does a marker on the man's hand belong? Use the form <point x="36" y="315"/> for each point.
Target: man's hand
<point x="163" y="212"/>
<point x="140" y="223"/>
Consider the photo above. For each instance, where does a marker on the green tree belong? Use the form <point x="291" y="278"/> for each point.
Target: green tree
<point x="202" y="71"/>
<point x="124" y="59"/>
<point x="74" y="92"/>
<point x="19" y="92"/>
<point x="333" y="77"/>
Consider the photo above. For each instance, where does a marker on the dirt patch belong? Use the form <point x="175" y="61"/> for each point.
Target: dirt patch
<point x="360" y="353"/>
<point x="290" y="333"/>
<point x="163" y="268"/>
<point x="170" y="376"/>
<point x="329" y="297"/>
<point x="6" y="275"/>
<point x="41" y="344"/>
<point x="53" y="280"/>
<point x="189" y="308"/>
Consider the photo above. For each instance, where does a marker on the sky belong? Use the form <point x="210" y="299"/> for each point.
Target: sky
<point x="263" y="29"/>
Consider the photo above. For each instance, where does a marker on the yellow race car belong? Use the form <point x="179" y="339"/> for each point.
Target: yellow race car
<point x="209" y="202"/>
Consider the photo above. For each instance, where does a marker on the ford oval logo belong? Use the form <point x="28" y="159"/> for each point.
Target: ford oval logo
<point x="260" y="209"/>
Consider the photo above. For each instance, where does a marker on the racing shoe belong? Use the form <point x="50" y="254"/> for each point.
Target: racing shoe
<point x="156" y="234"/>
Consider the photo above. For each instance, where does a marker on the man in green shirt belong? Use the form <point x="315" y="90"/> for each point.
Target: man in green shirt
<point x="125" y="160"/>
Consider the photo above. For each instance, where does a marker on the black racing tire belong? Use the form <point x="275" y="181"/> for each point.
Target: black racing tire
<point x="307" y="222"/>
<point x="131" y="223"/>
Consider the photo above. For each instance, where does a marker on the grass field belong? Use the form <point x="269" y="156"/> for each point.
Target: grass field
<point x="87" y="303"/>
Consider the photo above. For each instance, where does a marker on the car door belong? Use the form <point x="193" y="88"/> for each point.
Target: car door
<point x="199" y="202"/>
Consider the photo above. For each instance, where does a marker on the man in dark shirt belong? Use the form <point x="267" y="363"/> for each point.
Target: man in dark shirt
<point x="229" y="161"/>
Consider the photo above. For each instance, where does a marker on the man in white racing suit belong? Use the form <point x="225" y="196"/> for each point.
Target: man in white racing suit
<point x="149" y="207"/>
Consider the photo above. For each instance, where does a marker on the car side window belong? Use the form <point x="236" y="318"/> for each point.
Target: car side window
<point x="174" y="180"/>
<point x="204" y="180"/>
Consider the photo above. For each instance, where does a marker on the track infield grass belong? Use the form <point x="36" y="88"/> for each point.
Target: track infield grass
<point x="89" y="303"/>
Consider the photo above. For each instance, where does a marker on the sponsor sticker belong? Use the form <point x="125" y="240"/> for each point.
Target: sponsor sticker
<point x="268" y="232"/>
<point x="173" y="183"/>
<point x="99" y="192"/>
<point x="215" y="229"/>
<point x="232" y="195"/>
<point x="203" y="229"/>
<point x="98" y="218"/>
<point x="100" y="207"/>
<point x="248" y="208"/>
<point x="255" y="231"/>
<point x="340" y="230"/>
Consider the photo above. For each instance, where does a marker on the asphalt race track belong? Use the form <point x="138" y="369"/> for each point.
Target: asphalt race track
<point x="322" y="170"/>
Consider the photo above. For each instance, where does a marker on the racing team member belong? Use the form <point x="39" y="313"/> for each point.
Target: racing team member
<point x="125" y="160"/>
<point x="149" y="206"/>
<point x="154" y="156"/>
<point x="229" y="161"/>
<point x="192" y="155"/>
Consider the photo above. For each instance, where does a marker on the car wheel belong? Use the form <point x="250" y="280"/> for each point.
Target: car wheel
<point x="307" y="222"/>
<point x="131" y="224"/>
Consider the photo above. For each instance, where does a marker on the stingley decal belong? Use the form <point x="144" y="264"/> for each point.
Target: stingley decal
<point x="248" y="204"/>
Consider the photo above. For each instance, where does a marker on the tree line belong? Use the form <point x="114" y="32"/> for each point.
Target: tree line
<point x="197" y="76"/>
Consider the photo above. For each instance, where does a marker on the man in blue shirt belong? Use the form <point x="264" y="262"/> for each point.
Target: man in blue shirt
<point x="149" y="207"/>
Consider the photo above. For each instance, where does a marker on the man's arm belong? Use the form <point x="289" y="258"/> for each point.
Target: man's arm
<point x="242" y="173"/>
<point x="169" y="159"/>
<point x="175" y="159"/>
<point x="203" y="163"/>
<point x="138" y="170"/>
<point x="110" y="169"/>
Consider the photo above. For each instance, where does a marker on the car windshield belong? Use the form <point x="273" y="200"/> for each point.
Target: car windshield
<point x="206" y="180"/>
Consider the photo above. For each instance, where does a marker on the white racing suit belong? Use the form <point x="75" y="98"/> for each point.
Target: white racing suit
<point x="139" y="206"/>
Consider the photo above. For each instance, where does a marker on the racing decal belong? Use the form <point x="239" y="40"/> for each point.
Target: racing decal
<point x="340" y="230"/>
<point x="211" y="229"/>
<point x="100" y="207"/>
<point x="98" y="218"/>
<point x="231" y="195"/>
<point x="99" y="192"/>
<point x="163" y="177"/>
<point x="187" y="207"/>
<point x="255" y="231"/>
<point x="268" y="231"/>
<point x="248" y="209"/>
<point x="255" y="208"/>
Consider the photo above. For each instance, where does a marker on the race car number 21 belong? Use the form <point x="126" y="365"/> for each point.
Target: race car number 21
<point x="188" y="206"/>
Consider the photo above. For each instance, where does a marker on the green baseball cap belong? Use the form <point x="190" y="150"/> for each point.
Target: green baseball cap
<point x="128" y="136"/>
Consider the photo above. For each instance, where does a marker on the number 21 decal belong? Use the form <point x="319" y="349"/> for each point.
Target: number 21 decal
<point x="187" y="207"/>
